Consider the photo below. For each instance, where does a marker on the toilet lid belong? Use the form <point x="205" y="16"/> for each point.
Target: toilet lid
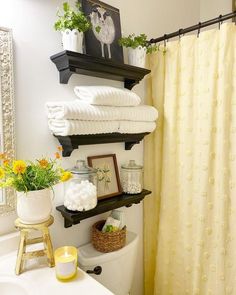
<point x="88" y="255"/>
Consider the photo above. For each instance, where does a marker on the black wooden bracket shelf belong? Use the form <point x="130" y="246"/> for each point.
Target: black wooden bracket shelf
<point x="74" y="217"/>
<point x="69" y="62"/>
<point x="71" y="142"/>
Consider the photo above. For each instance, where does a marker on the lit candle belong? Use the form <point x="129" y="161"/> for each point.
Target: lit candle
<point x="66" y="262"/>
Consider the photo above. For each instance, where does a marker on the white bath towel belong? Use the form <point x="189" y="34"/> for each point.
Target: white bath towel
<point x="107" y="95"/>
<point x="76" y="127"/>
<point x="77" y="110"/>
<point x="136" y="127"/>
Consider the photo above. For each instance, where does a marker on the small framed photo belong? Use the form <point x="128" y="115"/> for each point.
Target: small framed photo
<point x="102" y="39"/>
<point x="107" y="174"/>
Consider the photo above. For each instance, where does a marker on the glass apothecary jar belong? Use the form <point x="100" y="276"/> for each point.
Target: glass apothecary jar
<point x="81" y="189"/>
<point x="132" y="178"/>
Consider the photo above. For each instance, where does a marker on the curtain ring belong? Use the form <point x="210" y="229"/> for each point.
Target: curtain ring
<point x="199" y="29"/>
<point x="220" y="22"/>
<point x="180" y="30"/>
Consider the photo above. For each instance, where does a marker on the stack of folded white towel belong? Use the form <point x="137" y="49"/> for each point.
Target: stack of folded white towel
<point x="101" y="109"/>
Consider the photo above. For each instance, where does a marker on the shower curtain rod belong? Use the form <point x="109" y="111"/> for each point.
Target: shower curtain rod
<point x="198" y="27"/>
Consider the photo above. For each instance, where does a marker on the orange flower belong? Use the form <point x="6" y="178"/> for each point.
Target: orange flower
<point x="43" y="163"/>
<point x="6" y="162"/>
<point x="2" y="156"/>
<point x="60" y="148"/>
<point x="57" y="155"/>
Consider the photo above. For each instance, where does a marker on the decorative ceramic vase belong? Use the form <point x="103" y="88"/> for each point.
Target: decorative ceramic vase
<point x="72" y="40"/>
<point x="34" y="206"/>
<point x="136" y="57"/>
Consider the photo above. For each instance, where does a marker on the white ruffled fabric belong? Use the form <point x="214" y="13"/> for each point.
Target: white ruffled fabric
<point x="77" y="110"/>
<point x="76" y="127"/>
<point x="107" y="95"/>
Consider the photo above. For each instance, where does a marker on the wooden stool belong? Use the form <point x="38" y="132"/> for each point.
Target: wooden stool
<point x="24" y="241"/>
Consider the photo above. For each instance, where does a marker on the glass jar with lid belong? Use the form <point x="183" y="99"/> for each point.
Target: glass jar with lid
<point x="132" y="178"/>
<point x="81" y="189"/>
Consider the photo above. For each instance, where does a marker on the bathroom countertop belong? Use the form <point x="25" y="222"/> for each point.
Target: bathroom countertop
<point x="39" y="279"/>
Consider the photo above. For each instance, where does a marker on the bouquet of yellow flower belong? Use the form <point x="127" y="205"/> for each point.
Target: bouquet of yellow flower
<point x="25" y="176"/>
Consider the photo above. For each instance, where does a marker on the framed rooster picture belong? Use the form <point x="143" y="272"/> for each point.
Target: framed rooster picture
<point x="102" y="39"/>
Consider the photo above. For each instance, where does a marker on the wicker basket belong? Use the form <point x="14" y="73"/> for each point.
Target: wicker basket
<point x="107" y="242"/>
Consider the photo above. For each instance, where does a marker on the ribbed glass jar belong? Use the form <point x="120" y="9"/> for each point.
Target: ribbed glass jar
<point x="132" y="178"/>
<point x="81" y="189"/>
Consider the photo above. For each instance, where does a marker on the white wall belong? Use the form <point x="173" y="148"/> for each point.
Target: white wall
<point x="36" y="81"/>
<point x="213" y="8"/>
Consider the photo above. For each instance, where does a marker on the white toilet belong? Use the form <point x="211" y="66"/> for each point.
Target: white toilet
<point x="117" y="267"/>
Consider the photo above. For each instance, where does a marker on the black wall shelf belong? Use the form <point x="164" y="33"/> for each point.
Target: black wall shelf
<point x="74" y="217"/>
<point x="69" y="62"/>
<point x="69" y="143"/>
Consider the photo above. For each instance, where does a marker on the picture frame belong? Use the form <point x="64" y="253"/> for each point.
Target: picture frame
<point x="107" y="174"/>
<point x="102" y="39"/>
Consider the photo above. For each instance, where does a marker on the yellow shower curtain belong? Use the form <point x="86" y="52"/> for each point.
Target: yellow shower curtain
<point x="190" y="165"/>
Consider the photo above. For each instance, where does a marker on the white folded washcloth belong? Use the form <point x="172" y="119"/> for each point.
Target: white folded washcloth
<point x="107" y="95"/>
<point x="76" y="127"/>
<point x="78" y="110"/>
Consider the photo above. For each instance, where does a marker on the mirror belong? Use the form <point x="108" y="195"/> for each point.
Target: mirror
<point x="7" y="117"/>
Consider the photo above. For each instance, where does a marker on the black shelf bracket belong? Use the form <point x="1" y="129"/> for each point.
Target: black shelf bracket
<point x="70" y="62"/>
<point x="105" y="205"/>
<point x="69" y="143"/>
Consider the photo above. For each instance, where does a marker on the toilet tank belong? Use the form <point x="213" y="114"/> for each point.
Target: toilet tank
<point x="118" y="267"/>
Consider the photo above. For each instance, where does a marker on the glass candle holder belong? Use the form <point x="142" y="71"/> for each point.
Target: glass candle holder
<point x="66" y="260"/>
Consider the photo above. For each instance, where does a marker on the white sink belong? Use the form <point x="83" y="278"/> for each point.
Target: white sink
<point x="12" y="286"/>
<point x="38" y="279"/>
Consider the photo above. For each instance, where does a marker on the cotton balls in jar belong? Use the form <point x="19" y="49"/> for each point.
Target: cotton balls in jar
<point x="81" y="196"/>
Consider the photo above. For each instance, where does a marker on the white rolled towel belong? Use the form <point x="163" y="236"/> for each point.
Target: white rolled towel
<point x="77" y="110"/>
<point x="76" y="127"/>
<point x="107" y="95"/>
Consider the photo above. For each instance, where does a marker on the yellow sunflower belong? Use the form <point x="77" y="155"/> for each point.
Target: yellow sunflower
<point x="66" y="176"/>
<point x="19" y="167"/>
<point x="2" y="173"/>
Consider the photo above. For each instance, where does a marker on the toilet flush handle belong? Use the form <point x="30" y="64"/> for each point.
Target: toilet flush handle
<point x="97" y="270"/>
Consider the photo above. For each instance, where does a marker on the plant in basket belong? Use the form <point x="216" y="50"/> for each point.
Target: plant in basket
<point x="108" y="240"/>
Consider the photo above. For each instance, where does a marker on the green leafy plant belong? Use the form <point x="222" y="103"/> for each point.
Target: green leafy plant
<point x="26" y="176"/>
<point x="133" y="41"/>
<point x="111" y="228"/>
<point x="71" y="19"/>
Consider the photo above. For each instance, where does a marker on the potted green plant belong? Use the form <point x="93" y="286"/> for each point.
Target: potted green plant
<point x="72" y="24"/>
<point x="138" y="47"/>
<point x="33" y="182"/>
